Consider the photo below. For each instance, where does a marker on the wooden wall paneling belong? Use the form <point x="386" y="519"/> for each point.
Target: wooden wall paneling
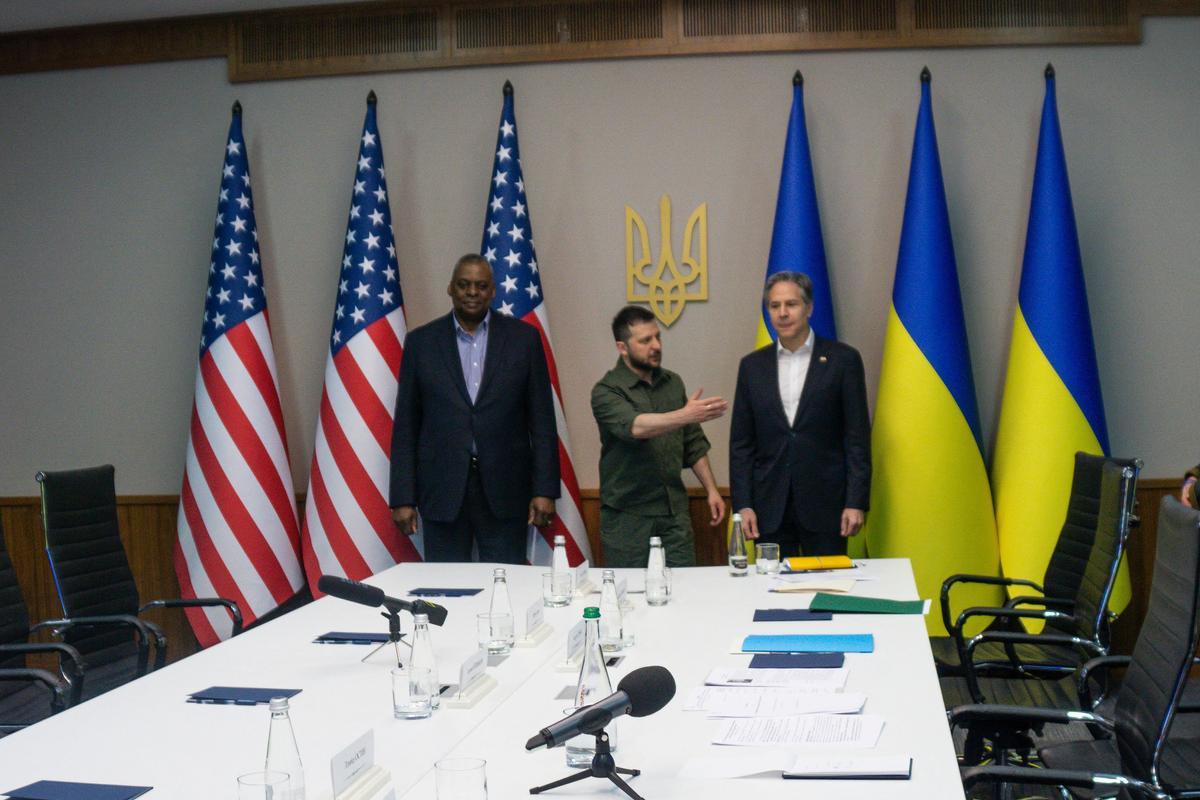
<point x="390" y="35"/>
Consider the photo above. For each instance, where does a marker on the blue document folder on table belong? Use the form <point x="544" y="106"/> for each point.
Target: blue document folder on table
<point x="809" y="643"/>
<point x="69" y="790"/>
<point x="239" y="695"/>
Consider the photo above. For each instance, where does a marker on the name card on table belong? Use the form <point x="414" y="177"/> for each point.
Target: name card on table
<point x="473" y="681"/>
<point x="472" y="669"/>
<point x="352" y="762"/>
<point x="575" y="640"/>
<point x="581" y="577"/>
<point x="356" y="776"/>
<point x="535" y="615"/>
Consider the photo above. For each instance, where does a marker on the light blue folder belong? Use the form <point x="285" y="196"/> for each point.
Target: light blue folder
<point x="810" y="643"/>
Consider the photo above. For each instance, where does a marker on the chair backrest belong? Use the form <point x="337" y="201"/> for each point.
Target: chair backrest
<point x="1162" y="655"/>
<point x="83" y="542"/>
<point x="1065" y="571"/>
<point x="14" y="615"/>
<point x="1117" y="486"/>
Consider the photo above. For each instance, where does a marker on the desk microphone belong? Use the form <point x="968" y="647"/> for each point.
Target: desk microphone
<point x="639" y="694"/>
<point x="374" y="597"/>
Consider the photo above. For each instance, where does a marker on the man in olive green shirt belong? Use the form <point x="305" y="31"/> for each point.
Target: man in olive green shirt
<point x="649" y="431"/>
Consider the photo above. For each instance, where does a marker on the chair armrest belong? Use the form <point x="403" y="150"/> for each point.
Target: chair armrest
<point x="1086" y="673"/>
<point x="1060" y="603"/>
<point x="1027" y="716"/>
<point x="200" y="602"/>
<point x="1008" y="639"/>
<point x="57" y="686"/>
<point x="78" y="665"/>
<point x="990" y="580"/>
<point x="1054" y="777"/>
<point x="143" y="629"/>
<point x="1008" y="612"/>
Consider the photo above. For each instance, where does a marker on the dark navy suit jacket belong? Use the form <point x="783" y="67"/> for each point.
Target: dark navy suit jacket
<point x="823" y="457"/>
<point x="511" y="422"/>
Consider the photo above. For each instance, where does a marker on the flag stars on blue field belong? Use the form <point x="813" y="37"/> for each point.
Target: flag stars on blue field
<point x="508" y="237"/>
<point x="234" y="292"/>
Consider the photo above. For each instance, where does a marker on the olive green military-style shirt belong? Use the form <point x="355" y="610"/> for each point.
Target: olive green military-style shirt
<point x="642" y="476"/>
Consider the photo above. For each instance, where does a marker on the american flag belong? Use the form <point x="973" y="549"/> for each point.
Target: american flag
<point x="508" y="247"/>
<point x="237" y="529"/>
<point x="348" y="527"/>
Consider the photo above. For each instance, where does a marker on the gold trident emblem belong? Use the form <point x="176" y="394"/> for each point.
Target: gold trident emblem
<point x="666" y="288"/>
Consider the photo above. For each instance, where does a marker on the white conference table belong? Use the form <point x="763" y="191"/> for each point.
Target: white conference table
<point x="146" y="734"/>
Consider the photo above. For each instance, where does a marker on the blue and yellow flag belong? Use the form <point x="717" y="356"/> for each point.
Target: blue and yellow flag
<point x="1052" y="405"/>
<point x="930" y="499"/>
<point x="796" y="242"/>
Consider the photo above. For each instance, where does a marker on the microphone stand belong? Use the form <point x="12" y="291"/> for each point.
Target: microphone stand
<point x="603" y="766"/>
<point x="394" y="635"/>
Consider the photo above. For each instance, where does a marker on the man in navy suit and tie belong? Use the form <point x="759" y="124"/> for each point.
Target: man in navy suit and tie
<point x="474" y="443"/>
<point x="800" y="439"/>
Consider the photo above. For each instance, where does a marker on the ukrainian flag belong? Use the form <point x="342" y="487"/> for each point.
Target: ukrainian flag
<point x="796" y="242"/>
<point x="1052" y="405"/>
<point x="930" y="499"/>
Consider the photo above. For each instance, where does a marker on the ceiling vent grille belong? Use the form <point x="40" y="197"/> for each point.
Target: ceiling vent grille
<point x="557" y="23"/>
<point x="765" y="17"/>
<point x="984" y="14"/>
<point x="279" y="39"/>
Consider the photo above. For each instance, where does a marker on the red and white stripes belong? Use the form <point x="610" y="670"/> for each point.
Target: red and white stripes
<point x="237" y="529"/>
<point x="348" y="528"/>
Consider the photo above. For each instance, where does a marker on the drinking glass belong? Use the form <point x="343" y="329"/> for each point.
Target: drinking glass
<point x="495" y="632"/>
<point x="263" y="785"/>
<point x="556" y="589"/>
<point x="461" y="779"/>
<point x="408" y="700"/>
<point x="766" y="560"/>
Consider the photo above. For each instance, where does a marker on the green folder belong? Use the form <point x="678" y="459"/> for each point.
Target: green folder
<point x="852" y="604"/>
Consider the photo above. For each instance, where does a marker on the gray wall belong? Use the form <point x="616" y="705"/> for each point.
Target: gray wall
<point x="110" y="180"/>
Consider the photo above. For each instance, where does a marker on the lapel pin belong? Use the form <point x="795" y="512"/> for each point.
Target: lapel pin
<point x="822" y="359"/>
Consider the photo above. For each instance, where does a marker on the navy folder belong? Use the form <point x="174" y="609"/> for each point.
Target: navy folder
<point x="790" y="615"/>
<point x="239" y="695"/>
<point x="797" y="661"/>
<point x="69" y="790"/>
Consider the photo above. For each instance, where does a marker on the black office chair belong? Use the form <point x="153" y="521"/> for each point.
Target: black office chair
<point x="1142" y="758"/>
<point x="29" y="694"/>
<point x="92" y="576"/>
<point x="1088" y="617"/>
<point x="1059" y="586"/>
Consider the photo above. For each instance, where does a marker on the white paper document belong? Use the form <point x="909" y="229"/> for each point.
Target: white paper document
<point x="814" y="730"/>
<point x="822" y="577"/>
<point x="850" y="767"/>
<point x="744" y="763"/>
<point x="811" y="680"/>
<point x="825" y="585"/>
<point x="731" y="701"/>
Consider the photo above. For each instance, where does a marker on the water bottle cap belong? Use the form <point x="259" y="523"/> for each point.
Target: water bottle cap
<point x="559" y="539"/>
<point x="420" y="619"/>
<point x="737" y="517"/>
<point x="279" y="704"/>
<point x="591" y="612"/>
<point x="498" y="572"/>
<point x="608" y="575"/>
<point x="656" y="540"/>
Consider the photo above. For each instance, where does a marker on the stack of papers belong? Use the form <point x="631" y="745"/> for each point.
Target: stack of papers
<point x="745" y="764"/>
<point x="813" y="730"/>
<point x="805" y="680"/>
<point x="731" y="701"/>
